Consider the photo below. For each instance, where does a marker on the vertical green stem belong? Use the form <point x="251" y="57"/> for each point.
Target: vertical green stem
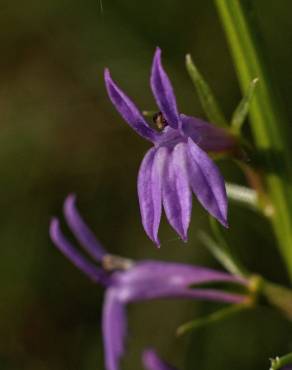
<point x="270" y="127"/>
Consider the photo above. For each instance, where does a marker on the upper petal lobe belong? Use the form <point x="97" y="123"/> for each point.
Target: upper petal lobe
<point x="81" y="231"/>
<point x="128" y="109"/>
<point x="163" y="92"/>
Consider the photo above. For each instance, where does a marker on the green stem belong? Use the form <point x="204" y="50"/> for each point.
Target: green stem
<point x="279" y="362"/>
<point x="212" y="318"/>
<point x="270" y="128"/>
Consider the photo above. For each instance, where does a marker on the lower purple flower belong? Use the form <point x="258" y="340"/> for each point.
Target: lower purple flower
<point x="127" y="281"/>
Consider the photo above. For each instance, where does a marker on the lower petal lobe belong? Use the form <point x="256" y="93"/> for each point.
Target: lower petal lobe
<point x="152" y="362"/>
<point x="114" y="327"/>
<point x="177" y="199"/>
<point x="150" y="190"/>
<point x="207" y="183"/>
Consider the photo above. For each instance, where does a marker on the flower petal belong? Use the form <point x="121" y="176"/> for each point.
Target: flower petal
<point x="155" y="279"/>
<point x="128" y="109"/>
<point x="176" y="194"/>
<point x="175" y="274"/>
<point x="150" y="189"/>
<point x="151" y="361"/>
<point x="81" y="231"/>
<point x="163" y="92"/>
<point x="207" y="183"/>
<point x="208" y="137"/>
<point x="114" y="327"/>
<point x="64" y="245"/>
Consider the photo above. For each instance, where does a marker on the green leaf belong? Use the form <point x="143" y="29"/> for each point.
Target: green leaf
<point x="279" y="297"/>
<point x="242" y="109"/>
<point x="206" y="96"/>
<point x="222" y="254"/>
<point x="212" y="318"/>
<point x="221" y="251"/>
<point x="268" y="122"/>
<point x="243" y="195"/>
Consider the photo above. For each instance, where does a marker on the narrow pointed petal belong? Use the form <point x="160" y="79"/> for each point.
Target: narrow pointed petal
<point x="177" y="197"/>
<point x="173" y="292"/>
<point x="151" y="361"/>
<point x="128" y="109"/>
<point x="150" y="189"/>
<point x="81" y="231"/>
<point x="163" y="92"/>
<point x="155" y="279"/>
<point x="207" y="183"/>
<point x="64" y="245"/>
<point x="175" y="275"/>
<point x="208" y="137"/>
<point x="114" y="329"/>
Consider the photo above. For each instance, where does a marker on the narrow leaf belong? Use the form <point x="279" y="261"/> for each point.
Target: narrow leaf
<point x="243" y="196"/>
<point x="269" y="124"/>
<point x="242" y="109"/>
<point x="221" y="254"/>
<point x="211" y="319"/>
<point x="221" y="251"/>
<point x="279" y="297"/>
<point x="206" y="96"/>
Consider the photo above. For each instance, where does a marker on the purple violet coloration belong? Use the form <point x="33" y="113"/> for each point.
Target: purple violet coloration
<point x="127" y="281"/>
<point x="177" y="164"/>
<point x="151" y="361"/>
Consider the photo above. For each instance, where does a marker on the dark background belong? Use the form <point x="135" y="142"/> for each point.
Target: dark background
<point x="59" y="133"/>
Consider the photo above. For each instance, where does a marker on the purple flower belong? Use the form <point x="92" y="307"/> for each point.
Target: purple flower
<point x="152" y="362"/>
<point x="177" y="165"/>
<point x="127" y="281"/>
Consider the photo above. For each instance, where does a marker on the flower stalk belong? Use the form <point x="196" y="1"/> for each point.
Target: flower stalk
<point x="279" y="362"/>
<point x="268" y="123"/>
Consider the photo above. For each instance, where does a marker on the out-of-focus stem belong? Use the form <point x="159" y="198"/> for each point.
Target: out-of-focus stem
<point x="270" y="128"/>
<point x="279" y="362"/>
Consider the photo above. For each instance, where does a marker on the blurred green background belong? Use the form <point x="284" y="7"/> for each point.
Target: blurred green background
<point x="59" y="133"/>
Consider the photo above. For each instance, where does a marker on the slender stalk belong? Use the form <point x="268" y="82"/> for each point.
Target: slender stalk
<point x="213" y="318"/>
<point x="270" y="128"/>
<point x="279" y="362"/>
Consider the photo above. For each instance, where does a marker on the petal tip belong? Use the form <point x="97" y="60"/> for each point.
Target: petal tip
<point x="157" y="52"/>
<point x="106" y="72"/>
<point x="226" y="224"/>
<point x="223" y="221"/>
<point x="156" y="241"/>
<point x="53" y="228"/>
<point x="107" y="78"/>
<point x="69" y="202"/>
<point x="184" y="238"/>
